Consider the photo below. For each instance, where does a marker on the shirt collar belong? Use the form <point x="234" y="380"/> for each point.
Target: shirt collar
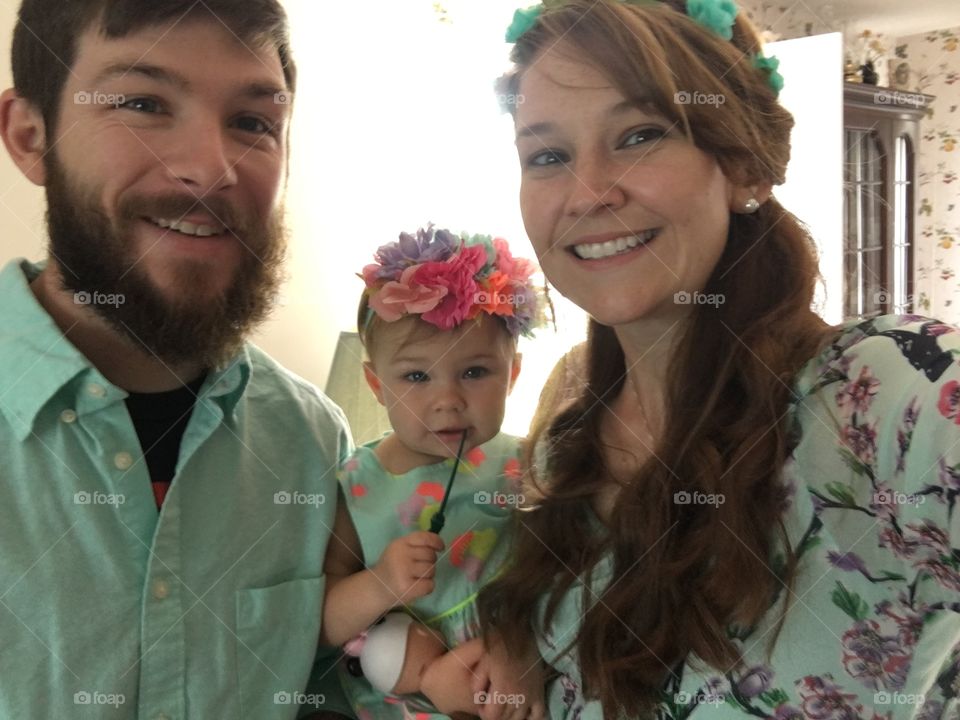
<point x="37" y="361"/>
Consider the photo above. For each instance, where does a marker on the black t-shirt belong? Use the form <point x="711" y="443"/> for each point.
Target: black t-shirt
<point x="160" y="420"/>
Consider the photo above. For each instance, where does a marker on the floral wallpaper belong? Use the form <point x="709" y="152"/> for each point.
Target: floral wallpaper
<point x="934" y="63"/>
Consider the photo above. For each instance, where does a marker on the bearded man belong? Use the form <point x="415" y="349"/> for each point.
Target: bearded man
<point x="166" y="489"/>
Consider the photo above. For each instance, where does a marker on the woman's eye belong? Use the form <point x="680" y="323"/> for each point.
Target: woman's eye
<point x="476" y="372"/>
<point x="638" y="137"/>
<point x="417" y="376"/>
<point x="141" y="104"/>
<point x="547" y="157"/>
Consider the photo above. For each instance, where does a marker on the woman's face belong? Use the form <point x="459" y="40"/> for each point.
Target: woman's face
<point x="627" y="217"/>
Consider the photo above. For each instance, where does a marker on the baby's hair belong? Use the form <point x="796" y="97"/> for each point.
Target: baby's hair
<point x="371" y="327"/>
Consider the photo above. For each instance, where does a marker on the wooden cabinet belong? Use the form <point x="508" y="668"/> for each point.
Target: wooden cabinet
<point x="881" y="132"/>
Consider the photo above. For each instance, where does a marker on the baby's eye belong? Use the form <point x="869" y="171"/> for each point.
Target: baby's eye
<point x="417" y="376"/>
<point x="643" y="135"/>
<point x="476" y="372"/>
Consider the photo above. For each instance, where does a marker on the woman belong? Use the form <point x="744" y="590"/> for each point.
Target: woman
<point x="741" y="512"/>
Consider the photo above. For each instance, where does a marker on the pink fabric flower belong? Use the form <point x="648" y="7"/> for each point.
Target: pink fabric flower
<point x="399" y="298"/>
<point x="517" y="269"/>
<point x="455" y="276"/>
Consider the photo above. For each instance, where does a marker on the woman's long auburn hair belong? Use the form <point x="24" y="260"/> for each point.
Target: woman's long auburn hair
<point x="683" y="574"/>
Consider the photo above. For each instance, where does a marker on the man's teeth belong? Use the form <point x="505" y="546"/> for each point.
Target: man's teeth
<point x="189" y="228"/>
<point x="595" y="251"/>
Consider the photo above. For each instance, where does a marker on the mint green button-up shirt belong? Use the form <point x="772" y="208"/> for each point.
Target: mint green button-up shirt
<point x="210" y="609"/>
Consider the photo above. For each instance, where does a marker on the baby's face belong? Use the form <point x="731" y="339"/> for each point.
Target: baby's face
<point x="423" y="647"/>
<point x="437" y="385"/>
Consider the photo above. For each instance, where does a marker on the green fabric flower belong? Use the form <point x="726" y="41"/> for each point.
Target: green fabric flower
<point x="716" y="15"/>
<point x="523" y="20"/>
<point x="769" y="65"/>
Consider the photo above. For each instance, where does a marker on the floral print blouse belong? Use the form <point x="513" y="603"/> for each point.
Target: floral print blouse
<point x="873" y="629"/>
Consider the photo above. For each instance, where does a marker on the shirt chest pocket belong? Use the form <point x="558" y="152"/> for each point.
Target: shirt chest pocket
<point x="278" y="629"/>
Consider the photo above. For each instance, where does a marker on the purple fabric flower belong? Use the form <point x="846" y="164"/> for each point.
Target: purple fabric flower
<point x="427" y="246"/>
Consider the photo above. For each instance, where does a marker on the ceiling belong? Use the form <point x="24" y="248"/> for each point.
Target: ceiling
<point x="891" y="17"/>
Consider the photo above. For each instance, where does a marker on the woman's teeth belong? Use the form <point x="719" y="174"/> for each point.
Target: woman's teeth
<point x="596" y="251"/>
<point x="189" y="228"/>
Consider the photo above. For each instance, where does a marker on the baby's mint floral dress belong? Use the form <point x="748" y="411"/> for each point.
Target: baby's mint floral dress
<point x="874" y="476"/>
<point x="384" y="507"/>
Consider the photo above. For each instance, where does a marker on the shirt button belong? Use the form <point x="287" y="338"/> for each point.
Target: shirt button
<point x="68" y="416"/>
<point x="123" y="460"/>
<point x="96" y="390"/>
<point x="160" y="590"/>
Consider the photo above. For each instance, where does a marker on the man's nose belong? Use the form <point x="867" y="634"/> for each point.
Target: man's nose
<point x="200" y="158"/>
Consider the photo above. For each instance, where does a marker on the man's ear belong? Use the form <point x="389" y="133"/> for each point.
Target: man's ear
<point x="24" y="135"/>
<point x="373" y="380"/>
<point x="515" y="370"/>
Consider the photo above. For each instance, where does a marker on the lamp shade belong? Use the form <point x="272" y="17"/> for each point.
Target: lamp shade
<point x="347" y="387"/>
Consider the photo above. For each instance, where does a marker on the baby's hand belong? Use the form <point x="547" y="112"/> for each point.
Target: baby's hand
<point x="407" y="567"/>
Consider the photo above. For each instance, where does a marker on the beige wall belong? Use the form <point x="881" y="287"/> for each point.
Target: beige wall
<point x="21" y="202"/>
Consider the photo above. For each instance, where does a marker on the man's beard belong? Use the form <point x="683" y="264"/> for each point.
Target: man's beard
<point x="96" y="256"/>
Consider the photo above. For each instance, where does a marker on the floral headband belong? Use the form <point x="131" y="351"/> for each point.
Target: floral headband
<point x="448" y="279"/>
<point x="715" y="15"/>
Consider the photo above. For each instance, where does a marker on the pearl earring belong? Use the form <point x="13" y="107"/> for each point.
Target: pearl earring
<point x="751" y="205"/>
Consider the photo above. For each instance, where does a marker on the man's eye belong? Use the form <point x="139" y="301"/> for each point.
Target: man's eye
<point x="417" y="376"/>
<point x="476" y="372"/>
<point x="141" y="104"/>
<point x="255" y="125"/>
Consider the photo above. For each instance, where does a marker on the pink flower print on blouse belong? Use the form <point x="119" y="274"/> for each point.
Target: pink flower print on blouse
<point x="823" y="699"/>
<point x="876" y="659"/>
<point x="861" y="440"/>
<point x="949" y="404"/>
<point x="857" y="396"/>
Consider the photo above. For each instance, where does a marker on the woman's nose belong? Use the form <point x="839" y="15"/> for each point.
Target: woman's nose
<point x="595" y="184"/>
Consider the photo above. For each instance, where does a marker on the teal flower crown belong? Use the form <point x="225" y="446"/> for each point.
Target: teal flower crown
<point x="717" y="16"/>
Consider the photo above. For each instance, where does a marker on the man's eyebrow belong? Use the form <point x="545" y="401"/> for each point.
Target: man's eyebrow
<point x="113" y="71"/>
